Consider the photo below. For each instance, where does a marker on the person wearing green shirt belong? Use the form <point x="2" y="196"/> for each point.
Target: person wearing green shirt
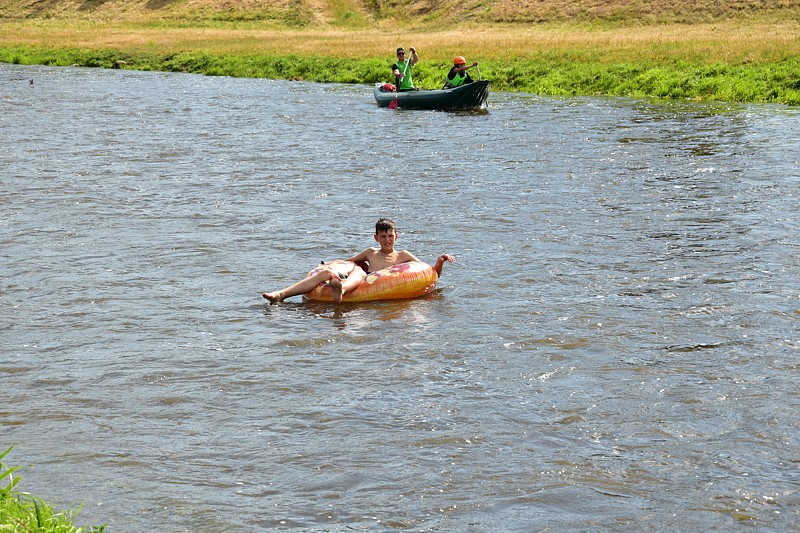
<point x="458" y="74"/>
<point x="402" y="69"/>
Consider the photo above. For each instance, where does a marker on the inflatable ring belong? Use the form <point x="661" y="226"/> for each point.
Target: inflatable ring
<point x="405" y="280"/>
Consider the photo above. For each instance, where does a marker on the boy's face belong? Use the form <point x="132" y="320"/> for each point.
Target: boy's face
<point x="386" y="239"/>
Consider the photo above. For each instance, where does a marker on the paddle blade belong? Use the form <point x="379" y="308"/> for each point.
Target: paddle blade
<point x="393" y="104"/>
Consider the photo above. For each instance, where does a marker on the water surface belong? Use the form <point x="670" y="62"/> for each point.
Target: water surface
<point x="615" y="349"/>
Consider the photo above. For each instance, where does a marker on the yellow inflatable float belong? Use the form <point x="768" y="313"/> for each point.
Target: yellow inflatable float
<point x="406" y="280"/>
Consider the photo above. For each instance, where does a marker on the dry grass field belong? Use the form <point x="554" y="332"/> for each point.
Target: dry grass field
<point x="407" y="12"/>
<point x="586" y="30"/>
<point x="742" y="34"/>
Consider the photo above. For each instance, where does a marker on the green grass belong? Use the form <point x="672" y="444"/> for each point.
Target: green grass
<point x="747" y="51"/>
<point x="21" y="512"/>
<point x="768" y="82"/>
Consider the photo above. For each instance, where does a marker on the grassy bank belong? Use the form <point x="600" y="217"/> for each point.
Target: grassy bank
<point x="20" y="511"/>
<point x="777" y="82"/>
<point x="749" y="52"/>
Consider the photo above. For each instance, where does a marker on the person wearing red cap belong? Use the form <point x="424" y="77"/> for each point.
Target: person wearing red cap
<point x="458" y="74"/>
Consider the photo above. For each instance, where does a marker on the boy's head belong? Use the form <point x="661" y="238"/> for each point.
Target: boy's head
<point x="384" y="224"/>
<point x="386" y="234"/>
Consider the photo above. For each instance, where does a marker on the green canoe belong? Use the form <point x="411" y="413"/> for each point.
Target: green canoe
<point x="469" y="96"/>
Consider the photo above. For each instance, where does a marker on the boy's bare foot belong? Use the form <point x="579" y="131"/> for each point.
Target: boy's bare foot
<point x="273" y="297"/>
<point x="336" y="285"/>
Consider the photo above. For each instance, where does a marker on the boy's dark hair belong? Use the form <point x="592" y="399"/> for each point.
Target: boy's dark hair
<point x="384" y="224"/>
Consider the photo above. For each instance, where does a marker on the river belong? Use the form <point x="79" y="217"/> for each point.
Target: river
<point x="616" y="347"/>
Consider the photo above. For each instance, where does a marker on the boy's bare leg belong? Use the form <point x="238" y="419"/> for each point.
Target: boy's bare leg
<point x="355" y="277"/>
<point x="340" y="288"/>
<point x="273" y="297"/>
<point x="336" y="285"/>
<point x="301" y="287"/>
<point x="353" y="280"/>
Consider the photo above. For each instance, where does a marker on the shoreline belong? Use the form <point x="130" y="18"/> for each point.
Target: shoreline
<point x="732" y="61"/>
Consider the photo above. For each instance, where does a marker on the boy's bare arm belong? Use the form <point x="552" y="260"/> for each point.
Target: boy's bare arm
<point x="404" y="256"/>
<point x="440" y="262"/>
<point x="363" y="256"/>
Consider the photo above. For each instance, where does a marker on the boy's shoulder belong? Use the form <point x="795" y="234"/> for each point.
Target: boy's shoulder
<point x="367" y="253"/>
<point x="404" y="256"/>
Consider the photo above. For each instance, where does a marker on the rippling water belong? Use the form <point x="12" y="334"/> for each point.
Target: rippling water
<point x="616" y="347"/>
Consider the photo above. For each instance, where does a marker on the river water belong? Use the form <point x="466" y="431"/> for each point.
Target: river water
<point x="616" y="348"/>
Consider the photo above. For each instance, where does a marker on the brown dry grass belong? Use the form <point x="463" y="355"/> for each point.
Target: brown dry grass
<point x="636" y="12"/>
<point x="730" y="42"/>
<point x="742" y="31"/>
<point x="736" y="50"/>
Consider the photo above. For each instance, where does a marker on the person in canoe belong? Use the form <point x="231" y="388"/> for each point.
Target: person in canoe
<point x="458" y="74"/>
<point x="402" y="69"/>
<point x="377" y="258"/>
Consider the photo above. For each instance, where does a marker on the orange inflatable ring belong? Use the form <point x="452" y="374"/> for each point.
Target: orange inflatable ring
<point x="406" y="280"/>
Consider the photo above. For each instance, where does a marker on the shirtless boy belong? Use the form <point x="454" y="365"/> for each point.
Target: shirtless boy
<point x="376" y="258"/>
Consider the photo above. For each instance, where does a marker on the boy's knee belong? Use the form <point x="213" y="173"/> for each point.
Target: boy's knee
<point x="326" y="273"/>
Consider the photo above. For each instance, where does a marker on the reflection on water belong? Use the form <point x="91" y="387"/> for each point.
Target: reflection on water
<point x="616" y="344"/>
<point x="410" y="312"/>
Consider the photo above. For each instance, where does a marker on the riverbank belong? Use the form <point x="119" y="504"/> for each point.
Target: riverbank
<point x="750" y="59"/>
<point x="21" y="511"/>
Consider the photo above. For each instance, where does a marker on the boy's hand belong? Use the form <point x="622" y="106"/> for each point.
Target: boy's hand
<point x="440" y="262"/>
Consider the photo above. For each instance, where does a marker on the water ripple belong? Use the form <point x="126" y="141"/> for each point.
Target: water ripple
<point x="615" y="348"/>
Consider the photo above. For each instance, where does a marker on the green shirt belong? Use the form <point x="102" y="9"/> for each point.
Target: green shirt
<point x="458" y="78"/>
<point x="404" y="83"/>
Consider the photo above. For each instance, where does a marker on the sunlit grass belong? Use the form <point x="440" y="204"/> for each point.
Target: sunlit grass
<point x="777" y="82"/>
<point x="729" y="42"/>
<point x="746" y="59"/>
<point x="23" y="512"/>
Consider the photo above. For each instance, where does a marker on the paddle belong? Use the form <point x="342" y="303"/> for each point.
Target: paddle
<point x="393" y="103"/>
